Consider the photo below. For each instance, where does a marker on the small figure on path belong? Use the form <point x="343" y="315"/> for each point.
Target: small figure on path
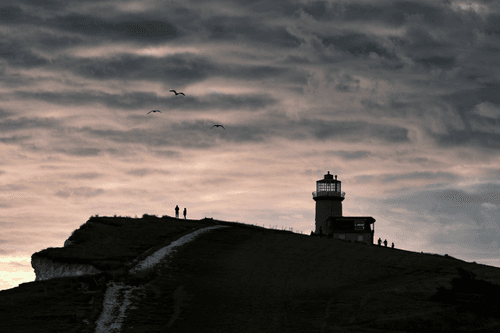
<point x="185" y="212"/>
<point x="392" y="244"/>
<point x="385" y="243"/>
<point x="176" y="211"/>
<point x="379" y="242"/>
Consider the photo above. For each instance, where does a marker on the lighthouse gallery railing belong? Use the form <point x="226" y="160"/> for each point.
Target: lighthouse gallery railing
<point x="328" y="194"/>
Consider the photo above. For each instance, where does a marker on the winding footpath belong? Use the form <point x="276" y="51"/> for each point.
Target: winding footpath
<point x="119" y="297"/>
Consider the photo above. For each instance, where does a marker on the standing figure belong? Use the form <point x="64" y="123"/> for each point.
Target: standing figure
<point x="320" y="232"/>
<point x="185" y="212"/>
<point x="176" y="211"/>
<point x="392" y="244"/>
<point x="379" y="242"/>
<point x="385" y="243"/>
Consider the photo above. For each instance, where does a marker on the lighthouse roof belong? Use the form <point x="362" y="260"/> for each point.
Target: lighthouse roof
<point x="329" y="179"/>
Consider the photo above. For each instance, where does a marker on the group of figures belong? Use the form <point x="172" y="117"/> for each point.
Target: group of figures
<point x="385" y="243"/>
<point x="177" y="212"/>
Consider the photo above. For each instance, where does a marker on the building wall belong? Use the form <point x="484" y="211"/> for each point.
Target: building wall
<point x="325" y="209"/>
<point x="355" y="237"/>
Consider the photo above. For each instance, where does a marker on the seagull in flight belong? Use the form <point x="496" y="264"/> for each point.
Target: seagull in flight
<point x="218" y="126"/>
<point x="177" y="93"/>
<point x="154" y="111"/>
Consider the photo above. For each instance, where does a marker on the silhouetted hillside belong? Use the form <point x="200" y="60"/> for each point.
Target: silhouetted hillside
<point x="250" y="279"/>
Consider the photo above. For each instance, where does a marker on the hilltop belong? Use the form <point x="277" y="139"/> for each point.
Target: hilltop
<point x="244" y="278"/>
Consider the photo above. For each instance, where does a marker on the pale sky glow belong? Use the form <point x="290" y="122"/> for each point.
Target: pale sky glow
<point x="399" y="99"/>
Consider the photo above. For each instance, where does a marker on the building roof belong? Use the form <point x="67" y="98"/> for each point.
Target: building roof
<point x="368" y="219"/>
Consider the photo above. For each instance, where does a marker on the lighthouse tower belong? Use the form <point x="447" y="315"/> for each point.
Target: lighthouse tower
<point x="328" y="199"/>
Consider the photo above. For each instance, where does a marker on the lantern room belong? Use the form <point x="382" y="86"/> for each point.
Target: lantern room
<point x="328" y="187"/>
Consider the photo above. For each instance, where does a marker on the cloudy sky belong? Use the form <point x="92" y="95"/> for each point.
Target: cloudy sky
<point x="399" y="99"/>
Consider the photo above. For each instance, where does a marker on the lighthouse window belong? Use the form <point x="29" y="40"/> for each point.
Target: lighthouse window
<point x="359" y="225"/>
<point x="328" y="187"/>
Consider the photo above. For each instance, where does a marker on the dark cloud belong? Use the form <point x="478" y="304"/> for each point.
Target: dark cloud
<point x="348" y="84"/>
<point x="131" y="27"/>
<point x="178" y="68"/>
<point x="11" y="14"/>
<point x="391" y="13"/>
<point x="235" y="102"/>
<point x="469" y="139"/>
<point x="187" y="135"/>
<point x="468" y="217"/>
<point x="146" y="172"/>
<point x="87" y="192"/>
<point x="351" y="155"/>
<point x="418" y="175"/>
<point x="4" y="114"/>
<point x="165" y="153"/>
<point x="80" y="151"/>
<point x="490" y="194"/>
<point x="141" y="100"/>
<point x="133" y="100"/>
<point x="443" y="62"/>
<point x="7" y="125"/>
<point x="357" y="44"/>
<point x="86" y="175"/>
<point x="466" y="100"/>
<point x="50" y="4"/>
<point x="491" y="26"/>
<point x="357" y="131"/>
<point x="16" y="55"/>
<point x="15" y="139"/>
<point x="452" y="206"/>
<point x="430" y="14"/>
<point x="226" y="28"/>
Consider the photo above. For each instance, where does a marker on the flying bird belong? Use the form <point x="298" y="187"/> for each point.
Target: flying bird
<point x="154" y="111"/>
<point x="177" y="93"/>
<point x="217" y="126"/>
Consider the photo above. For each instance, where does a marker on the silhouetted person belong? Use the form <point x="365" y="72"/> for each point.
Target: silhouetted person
<point x="320" y="232"/>
<point x="176" y="211"/>
<point x="185" y="212"/>
<point x="379" y="242"/>
<point x="392" y="244"/>
<point x="385" y="243"/>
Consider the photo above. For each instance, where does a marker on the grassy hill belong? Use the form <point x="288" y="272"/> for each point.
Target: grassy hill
<point x="250" y="279"/>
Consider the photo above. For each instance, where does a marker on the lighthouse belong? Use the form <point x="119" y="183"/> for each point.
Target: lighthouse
<point x="329" y="219"/>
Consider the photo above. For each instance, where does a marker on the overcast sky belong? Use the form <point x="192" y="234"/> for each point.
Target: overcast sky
<point x="399" y="99"/>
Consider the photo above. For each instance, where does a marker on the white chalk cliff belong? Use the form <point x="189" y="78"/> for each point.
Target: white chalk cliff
<point x="46" y="269"/>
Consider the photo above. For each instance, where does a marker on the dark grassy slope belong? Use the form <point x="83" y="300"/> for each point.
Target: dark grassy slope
<point x="247" y="280"/>
<point x="250" y="279"/>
